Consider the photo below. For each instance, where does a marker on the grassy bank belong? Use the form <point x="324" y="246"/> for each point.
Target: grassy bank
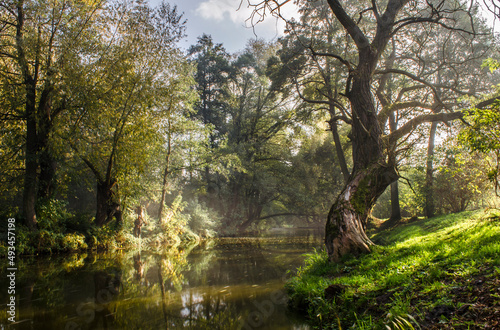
<point x="440" y="273"/>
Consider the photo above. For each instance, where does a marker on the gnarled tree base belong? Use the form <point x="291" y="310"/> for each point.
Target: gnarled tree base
<point x="346" y="223"/>
<point x="345" y="235"/>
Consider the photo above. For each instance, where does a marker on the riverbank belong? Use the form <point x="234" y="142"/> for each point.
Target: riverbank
<point x="84" y="237"/>
<point x="439" y="273"/>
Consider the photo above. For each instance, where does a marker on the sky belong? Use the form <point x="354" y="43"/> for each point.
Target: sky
<point x="225" y="22"/>
<point x="228" y="23"/>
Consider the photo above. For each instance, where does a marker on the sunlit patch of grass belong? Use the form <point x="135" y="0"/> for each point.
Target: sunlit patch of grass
<point x="413" y="269"/>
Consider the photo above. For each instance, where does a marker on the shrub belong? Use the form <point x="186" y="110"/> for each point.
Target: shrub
<point x="52" y="215"/>
<point x="73" y="242"/>
<point x="202" y="220"/>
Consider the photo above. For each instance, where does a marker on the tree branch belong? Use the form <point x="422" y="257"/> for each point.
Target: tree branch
<point x="349" y="24"/>
<point x="486" y="103"/>
<point x="414" y="77"/>
<point x="340" y="58"/>
<point x="413" y="123"/>
<point x="386" y="111"/>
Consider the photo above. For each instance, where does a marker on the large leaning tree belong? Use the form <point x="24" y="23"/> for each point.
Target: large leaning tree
<point x="371" y="26"/>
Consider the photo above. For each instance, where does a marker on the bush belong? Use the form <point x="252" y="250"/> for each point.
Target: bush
<point x="52" y="215"/>
<point x="102" y="238"/>
<point x="460" y="181"/>
<point x="202" y="220"/>
<point x="73" y="242"/>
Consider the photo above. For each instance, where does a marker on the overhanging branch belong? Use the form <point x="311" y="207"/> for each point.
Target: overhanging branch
<point x="427" y="118"/>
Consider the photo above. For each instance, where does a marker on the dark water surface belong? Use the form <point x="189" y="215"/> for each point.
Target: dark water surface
<point x="231" y="284"/>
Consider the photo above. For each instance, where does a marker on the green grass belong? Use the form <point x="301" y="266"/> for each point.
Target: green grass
<point x="411" y="278"/>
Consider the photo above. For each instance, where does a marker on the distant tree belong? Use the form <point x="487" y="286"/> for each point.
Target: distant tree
<point x="212" y="73"/>
<point x="482" y="134"/>
<point x="185" y="142"/>
<point x="256" y="120"/>
<point x="460" y="179"/>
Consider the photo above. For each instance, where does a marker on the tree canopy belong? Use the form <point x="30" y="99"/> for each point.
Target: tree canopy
<point x="104" y="114"/>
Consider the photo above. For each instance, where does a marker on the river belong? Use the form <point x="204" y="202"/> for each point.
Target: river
<point x="232" y="283"/>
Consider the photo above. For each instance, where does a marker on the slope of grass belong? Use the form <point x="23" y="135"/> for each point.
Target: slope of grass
<point x="440" y="273"/>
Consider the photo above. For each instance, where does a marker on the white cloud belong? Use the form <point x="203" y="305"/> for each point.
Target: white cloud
<point x="220" y="10"/>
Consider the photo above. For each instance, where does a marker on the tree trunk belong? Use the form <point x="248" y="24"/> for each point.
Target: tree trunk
<point x="371" y="174"/>
<point x="372" y="170"/>
<point x="163" y="191"/>
<point x="31" y="162"/>
<point x="429" y="207"/>
<point x="103" y="200"/>
<point x="47" y="175"/>
<point x="162" y="203"/>
<point x="166" y="172"/>
<point x="346" y="223"/>
<point x="30" y="175"/>
<point x="340" y="151"/>
<point x="333" y="122"/>
<point x="47" y="163"/>
<point x="395" y="208"/>
<point x="107" y="207"/>
<point x="31" y="157"/>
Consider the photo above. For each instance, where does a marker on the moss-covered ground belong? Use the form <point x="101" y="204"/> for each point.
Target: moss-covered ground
<point x="439" y="273"/>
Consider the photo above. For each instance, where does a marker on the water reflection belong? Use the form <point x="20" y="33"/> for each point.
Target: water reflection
<point x="234" y="284"/>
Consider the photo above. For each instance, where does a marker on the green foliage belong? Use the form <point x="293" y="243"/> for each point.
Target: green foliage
<point x="412" y="192"/>
<point x="492" y="64"/>
<point x="45" y="241"/>
<point x="483" y="135"/>
<point x="414" y="270"/>
<point x="52" y="215"/>
<point x="202" y="220"/>
<point x="460" y="181"/>
<point x="102" y="238"/>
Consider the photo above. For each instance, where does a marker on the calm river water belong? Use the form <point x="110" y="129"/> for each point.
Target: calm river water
<point x="231" y="284"/>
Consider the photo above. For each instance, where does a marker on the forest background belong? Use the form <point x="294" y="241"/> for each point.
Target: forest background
<point x="105" y="119"/>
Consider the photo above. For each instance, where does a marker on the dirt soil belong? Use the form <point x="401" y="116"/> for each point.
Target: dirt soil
<point x="478" y="299"/>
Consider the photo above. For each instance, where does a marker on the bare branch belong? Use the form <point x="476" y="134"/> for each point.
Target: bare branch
<point x="426" y="118"/>
<point x="414" y="77"/>
<point x="340" y="58"/>
<point x="387" y="110"/>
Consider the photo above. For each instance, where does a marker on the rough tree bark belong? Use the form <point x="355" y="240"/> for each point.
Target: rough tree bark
<point x="107" y="204"/>
<point x="31" y="159"/>
<point x="346" y="222"/>
<point x="31" y="167"/>
<point x="107" y="207"/>
<point x="47" y="163"/>
<point x="373" y="170"/>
